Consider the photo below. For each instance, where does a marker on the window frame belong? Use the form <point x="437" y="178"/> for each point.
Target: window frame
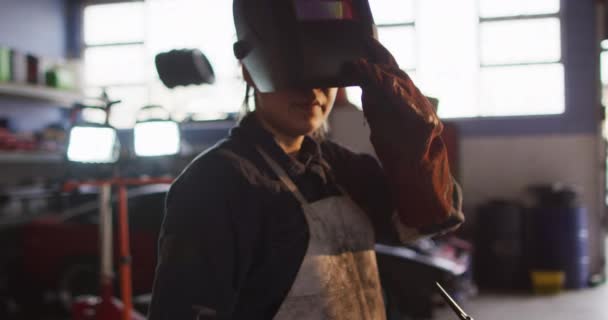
<point x="521" y="18"/>
<point x="413" y="24"/>
<point x="559" y="15"/>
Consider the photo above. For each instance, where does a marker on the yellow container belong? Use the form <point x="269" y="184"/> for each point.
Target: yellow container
<point x="547" y="281"/>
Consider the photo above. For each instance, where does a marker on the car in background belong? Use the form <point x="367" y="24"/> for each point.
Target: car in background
<point x="56" y="255"/>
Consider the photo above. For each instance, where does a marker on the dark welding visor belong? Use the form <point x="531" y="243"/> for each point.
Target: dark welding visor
<point x="287" y="44"/>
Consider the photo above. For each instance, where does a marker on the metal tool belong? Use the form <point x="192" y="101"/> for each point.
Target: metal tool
<point x="457" y="309"/>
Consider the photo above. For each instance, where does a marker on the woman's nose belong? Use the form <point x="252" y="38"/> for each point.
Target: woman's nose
<point x="309" y="95"/>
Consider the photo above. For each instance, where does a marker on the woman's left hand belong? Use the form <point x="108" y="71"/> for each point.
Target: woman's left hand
<point x="405" y="132"/>
<point x="388" y="90"/>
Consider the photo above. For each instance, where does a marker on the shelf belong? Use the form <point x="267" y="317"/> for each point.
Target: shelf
<point x="30" y="157"/>
<point x="41" y="93"/>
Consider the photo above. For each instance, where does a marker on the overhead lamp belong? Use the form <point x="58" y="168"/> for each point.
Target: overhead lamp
<point x="157" y="135"/>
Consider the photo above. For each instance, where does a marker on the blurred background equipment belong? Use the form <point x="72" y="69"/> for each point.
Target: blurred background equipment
<point x="184" y="67"/>
<point x="156" y="135"/>
<point x="5" y="64"/>
<point x="94" y="147"/>
<point x="93" y="144"/>
<point x="559" y="235"/>
<point x="500" y="260"/>
<point x="543" y="247"/>
<point x="408" y="275"/>
<point x="60" y="77"/>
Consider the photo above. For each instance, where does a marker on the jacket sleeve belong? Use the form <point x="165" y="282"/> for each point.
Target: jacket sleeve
<point x="427" y="200"/>
<point x="203" y="256"/>
<point x="406" y="135"/>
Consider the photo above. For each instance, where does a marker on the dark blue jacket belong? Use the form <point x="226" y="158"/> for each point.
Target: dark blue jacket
<point x="233" y="237"/>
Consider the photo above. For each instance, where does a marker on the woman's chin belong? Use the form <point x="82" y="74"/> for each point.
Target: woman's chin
<point x="309" y="127"/>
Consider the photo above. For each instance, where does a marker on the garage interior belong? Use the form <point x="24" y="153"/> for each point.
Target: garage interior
<point x="520" y="86"/>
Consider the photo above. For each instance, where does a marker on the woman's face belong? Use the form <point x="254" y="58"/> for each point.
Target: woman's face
<point x="296" y="112"/>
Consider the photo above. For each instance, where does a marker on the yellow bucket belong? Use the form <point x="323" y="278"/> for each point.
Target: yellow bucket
<point x="547" y="281"/>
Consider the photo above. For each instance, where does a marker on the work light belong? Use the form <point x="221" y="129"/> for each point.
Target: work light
<point x="93" y="143"/>
<point x="157" y="136"/>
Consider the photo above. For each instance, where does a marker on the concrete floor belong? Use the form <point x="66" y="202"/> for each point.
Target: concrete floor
<point x="589" y="304"/>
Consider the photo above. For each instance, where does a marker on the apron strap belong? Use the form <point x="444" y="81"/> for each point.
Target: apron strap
<point x="283" y="176"/>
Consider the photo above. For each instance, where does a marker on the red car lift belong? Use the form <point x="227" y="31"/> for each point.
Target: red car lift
<point x="106" y="307"/>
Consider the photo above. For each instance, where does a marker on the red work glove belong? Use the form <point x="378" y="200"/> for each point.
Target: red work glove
<point x="405" y="132"/>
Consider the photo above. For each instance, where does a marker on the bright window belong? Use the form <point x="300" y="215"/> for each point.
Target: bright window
<point x="480" y="58"/>
<point x="395" y="20"/>
<point x="521" y="60"/>
<point x="472" y="55"/>
<point x="393" y="11"/>
<point x="522" y="90"/>
<point x="448" y="64"/>
<point x="122" y="23"/>
<point x="115" y="65"/>
<point x="520" y="41"/>
<point x="122" y="40"/>
<point x="510" y="8"/>
<point x="400" y="41"/>
<point x="207" y="25"/>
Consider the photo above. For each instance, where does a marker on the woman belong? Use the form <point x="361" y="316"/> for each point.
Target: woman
<point x="277" y="222"/>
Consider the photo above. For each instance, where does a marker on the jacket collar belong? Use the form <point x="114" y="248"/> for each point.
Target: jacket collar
<point x="309" y="158"/>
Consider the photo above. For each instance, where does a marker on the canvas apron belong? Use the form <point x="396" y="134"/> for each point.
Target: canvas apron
<point x="338" y="277"/>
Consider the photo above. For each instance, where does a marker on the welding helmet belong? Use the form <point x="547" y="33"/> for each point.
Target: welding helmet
<point x="287" y="44"/>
